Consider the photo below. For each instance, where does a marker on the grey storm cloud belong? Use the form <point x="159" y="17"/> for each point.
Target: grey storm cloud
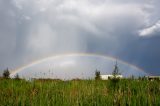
<point x="33" y="29"/>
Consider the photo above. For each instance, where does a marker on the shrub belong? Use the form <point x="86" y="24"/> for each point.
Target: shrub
<point x="17" y="77"/>
<point x="6" y="73"/>
<point x="97" y="75"/>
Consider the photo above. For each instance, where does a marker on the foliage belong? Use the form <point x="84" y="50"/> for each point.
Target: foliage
<point x="17" y="77"/>
<point x="114" y="81"/>
<point x="6" y="73"/>
<point x="79" y="93"/>
<point x="116" y="70"/>
<point x="97" y="75"/>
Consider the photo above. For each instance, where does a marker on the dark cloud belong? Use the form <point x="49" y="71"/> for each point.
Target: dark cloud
<point x="30" y="30"/>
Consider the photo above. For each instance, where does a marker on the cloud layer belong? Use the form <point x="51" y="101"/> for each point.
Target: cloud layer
<point x="30" y="30"/>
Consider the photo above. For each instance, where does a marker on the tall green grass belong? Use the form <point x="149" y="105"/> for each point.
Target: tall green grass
<point x="79" y="93"/>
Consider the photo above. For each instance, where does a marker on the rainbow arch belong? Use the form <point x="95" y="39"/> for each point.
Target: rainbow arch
<point x="70" y="55"/>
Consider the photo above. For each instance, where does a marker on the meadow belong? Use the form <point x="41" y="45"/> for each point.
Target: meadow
<point x="124" y="92"/>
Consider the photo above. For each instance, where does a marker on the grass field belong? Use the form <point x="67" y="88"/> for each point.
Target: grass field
<point x="125" y="92"/>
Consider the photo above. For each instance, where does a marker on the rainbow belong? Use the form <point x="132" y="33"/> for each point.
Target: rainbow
<point x="71" y="55"/>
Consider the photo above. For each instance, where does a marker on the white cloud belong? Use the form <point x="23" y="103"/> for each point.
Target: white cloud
<point x="154" y="30"/>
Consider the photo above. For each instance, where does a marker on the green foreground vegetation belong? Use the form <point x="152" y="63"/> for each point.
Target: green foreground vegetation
<point x="124" y="92"/>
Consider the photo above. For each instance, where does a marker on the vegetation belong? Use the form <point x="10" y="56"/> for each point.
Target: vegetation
<point x="115" y="71"/>
<point x="115" y="78"/>
<point x="97" y="75"/>
<point x="79" y="93"/>
<point x="6" y="73"/>
<point x="17" y="77"/>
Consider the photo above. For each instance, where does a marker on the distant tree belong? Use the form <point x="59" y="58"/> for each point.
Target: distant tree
<point x="115" y="79"/>
<point x="132" y="77"/>
<point x="116" y="70"/>
<point x="6" y="73"/>
<point x="97" y="75"/>
<point x="17" y="77"/>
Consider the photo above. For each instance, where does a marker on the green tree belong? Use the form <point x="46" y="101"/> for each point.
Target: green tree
<point x="116" y="70"/>
<point x="17" y="77"/>
<point x="115" y="79"/>
<point x="6" y="73"/>
<point x="97" y="75"/>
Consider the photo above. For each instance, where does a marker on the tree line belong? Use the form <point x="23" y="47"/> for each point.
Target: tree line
<point x="6" y="74"/>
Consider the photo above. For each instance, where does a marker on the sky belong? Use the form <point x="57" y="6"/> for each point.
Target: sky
<point x="126" y="29"/>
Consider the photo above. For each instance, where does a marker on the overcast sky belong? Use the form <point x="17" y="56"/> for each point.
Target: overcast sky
<point x="127" y="29"/>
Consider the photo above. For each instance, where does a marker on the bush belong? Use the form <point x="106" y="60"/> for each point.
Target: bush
<point x="6" y="73"/>
<point x="17" y="77"/>
<point x="97" y="75"/>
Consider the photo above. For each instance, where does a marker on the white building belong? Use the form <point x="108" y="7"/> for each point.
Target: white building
<point x="106" y="77"/>
<point x="153" y="78"/>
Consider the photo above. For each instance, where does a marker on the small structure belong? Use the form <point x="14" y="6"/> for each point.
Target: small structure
<point x="153" y="78"/>
<point x="115" y="74"/>
<point x="106" y="77"/>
